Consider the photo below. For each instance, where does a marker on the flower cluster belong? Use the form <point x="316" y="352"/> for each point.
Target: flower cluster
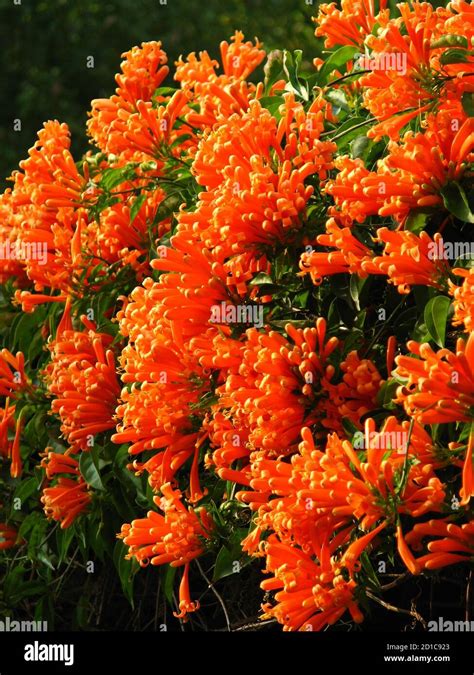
<point x="236" y="267"/>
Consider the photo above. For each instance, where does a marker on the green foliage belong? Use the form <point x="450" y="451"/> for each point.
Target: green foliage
<point x="45" y="76"/>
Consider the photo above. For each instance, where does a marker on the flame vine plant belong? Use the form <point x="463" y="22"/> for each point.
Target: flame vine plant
<point x="323" y="452"/>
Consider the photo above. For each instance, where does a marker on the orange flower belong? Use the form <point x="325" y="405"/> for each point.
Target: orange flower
<point x="311" y="591"/>
<point x="411" y="175"/>
<point x="463" y="299"/>
<point x="143" y="71"/>
<point x="177" y="537"/>
<point x="256" y="192"/>
<point x="418" y="78"/>
<point x="467" y="490"/>
<point x="15" y="453"/>
<point x="428" y="160"/>
<point x="50" y="175"/>
<point x="13" y="382"/>
<point x="409" y="259"/>
<point x="405" y="554"/>
<point x="46" y="214"/>
<point x="164" y="384"/>
<point x="7" y="423"/>
<point x="277" y="385"/>
<point x="191" y="286"/>
<point x="185" y="603"/>
<point x="116" y="238"/>
<point x="13" y="378"/>
<point x="357" y="394"/>
<point x="343" y="485"/>
<point x="11" y="266"/>
<point x="82" y="378"/>
<point x="68" y="497"/>
<point x="349" y="255"/>
<point x="455" y="543"/>
<point x="216" y="97"/>
<point x="439" y="385"/>
<point x="240" y="58"/>
<point x="350" y="24"/>
<point x="8" y="536"/>
<point x="349" y="194"/>
<point x="149" y="129"/>
<point x="350" y="559"/>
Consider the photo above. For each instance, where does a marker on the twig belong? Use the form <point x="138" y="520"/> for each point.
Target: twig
<point x="346" y="131"/>
<point x="347" y="75"/>
<point x="469" y="596"/>
<point x="157" y="604"/>
<point x="253" y="626"/>
<point x="399" y="610"/>
<point x="212" y="587"/>
<point x="401" y="578"/>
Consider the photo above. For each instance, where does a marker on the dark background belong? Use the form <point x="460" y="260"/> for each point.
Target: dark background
<point x="45" y="45"/>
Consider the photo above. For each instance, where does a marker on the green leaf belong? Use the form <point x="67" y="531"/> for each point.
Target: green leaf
<point x="337" y="98"/>
<point x="291" y="64"/>
<point x="113" y="177"/>
<point x="272" y="104"/>
<point x="455" y="56"/>
<point x="455" y="201"/>
<point x="450" y="41"/>
<point x="169" y="574"/>
<point x="26" y="489"/>
<point x="467" y="101"/>
<point x="34" y="430"/>
<point x="126" y="570"/>
<point x="356" y="285"/>
<point x="88" y="467"/>
<point x="359" y="146"/>
<point x="164" y="91"/>
<point x="26" y="590"/>
<point x="436" y="315"/>
<point x="29" y="523"/>
<point x="96" y="538"/>
<point x="225" y="564"/>
<point x="349" y="130"/>
<point x="169" y="205"/>
<point x="349" y="427"/>
<point x="387" y="393"/>
<point x="136" y="206"/>
<point x="465" y="262"/>
<point x="25" y="328"/>
<point x="416" y="221"/>
<point x="369" y="570"/>
<point x="260" y="279"/>
<point x="63" y="541"/>
<point x="273" y="69"/>
<point x="82" y="611"/>
<point x="336" y="61"/>
<point x="36" y="538"/>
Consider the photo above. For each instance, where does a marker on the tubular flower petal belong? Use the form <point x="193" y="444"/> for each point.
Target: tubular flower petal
<point x="65" y="498"/>
<point x="82" y="378"/>
<point x="439" y="385"/>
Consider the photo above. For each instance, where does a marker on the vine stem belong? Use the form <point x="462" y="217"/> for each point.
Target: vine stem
<point x="213" y="589"/>
<point x="399" y="610"/>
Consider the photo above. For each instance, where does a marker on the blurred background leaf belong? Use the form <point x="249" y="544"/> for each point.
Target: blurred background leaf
<point x="46" y="44"/>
